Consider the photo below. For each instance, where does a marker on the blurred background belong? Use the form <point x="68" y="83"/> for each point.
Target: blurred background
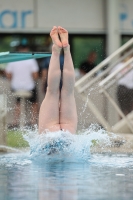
<point x="96" y="29"/>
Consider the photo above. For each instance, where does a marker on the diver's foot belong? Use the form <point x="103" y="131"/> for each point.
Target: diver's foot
<point x="55" y="37"/>
<point x="63" y="36"/>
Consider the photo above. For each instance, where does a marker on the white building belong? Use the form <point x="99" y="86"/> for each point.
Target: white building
<point x="100" y="25"/>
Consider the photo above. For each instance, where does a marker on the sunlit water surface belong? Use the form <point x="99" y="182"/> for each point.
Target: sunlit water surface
<point x="60" y="166"/>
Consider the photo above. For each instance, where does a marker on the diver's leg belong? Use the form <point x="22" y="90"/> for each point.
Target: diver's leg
<point x="49" y="110"/>
<point x="68" y="111"/>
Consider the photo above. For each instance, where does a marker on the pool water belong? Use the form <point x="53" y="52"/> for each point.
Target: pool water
<point x="69" y="172"/>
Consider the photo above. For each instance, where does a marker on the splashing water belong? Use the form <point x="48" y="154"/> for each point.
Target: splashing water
<point x="62" y="146"/>
<point x="66" y="147"/>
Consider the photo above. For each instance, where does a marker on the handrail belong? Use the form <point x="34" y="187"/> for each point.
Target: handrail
<point x="105" y="80"/>
<point x="105" y="62"/>
<point x="113" y="74"/>
<point x="113" y="81"/>
<point x="104" y="73"/>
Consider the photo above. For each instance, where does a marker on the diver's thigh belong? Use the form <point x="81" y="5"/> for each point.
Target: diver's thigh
<point x="49" y="113"/>
<point x="68" y="112"/>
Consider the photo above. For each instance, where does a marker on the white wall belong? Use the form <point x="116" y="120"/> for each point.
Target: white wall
<point x="79" y="16"/>
<point x="41" y="15"/>
<point x="76" y="15"/>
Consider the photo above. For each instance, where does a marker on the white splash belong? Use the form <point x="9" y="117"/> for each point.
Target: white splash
<point x="64" y="146"/>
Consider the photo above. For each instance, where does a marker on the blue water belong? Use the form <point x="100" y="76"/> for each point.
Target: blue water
<point x="69" y="171"/>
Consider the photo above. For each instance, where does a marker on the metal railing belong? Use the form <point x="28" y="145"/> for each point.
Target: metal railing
<point x="104" y="80"/>
<point x="100" y="67"/>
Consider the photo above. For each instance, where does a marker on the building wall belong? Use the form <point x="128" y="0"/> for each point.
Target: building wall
<point x="41" y="15"/>
<point x="86" y="16"/>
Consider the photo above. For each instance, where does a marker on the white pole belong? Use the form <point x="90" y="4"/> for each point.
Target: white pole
<point x="113" y="32"/>
<point x="113" y="43"/>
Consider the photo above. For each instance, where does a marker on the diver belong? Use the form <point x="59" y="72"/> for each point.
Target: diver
<point x="58" y="109"/>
